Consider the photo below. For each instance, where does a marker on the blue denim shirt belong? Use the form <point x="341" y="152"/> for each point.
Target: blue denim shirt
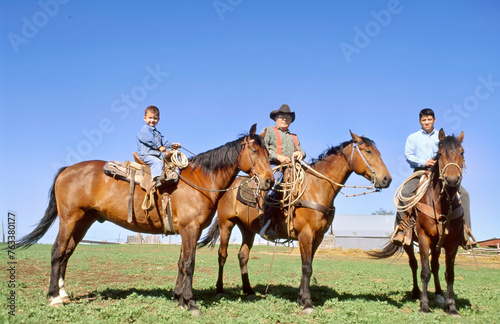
<point x="421" y="147"/>
<point x="149" y="141"/>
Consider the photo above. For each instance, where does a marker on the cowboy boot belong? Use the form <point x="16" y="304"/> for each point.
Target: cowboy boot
<point x="400" y="236"/>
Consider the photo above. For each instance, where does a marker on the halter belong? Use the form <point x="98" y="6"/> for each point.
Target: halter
<point x="442" y="170"/>
<point x="355" y="145"/>
<point x="255" y="175"/>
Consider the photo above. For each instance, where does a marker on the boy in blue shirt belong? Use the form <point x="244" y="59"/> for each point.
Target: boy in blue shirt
<point x="151" y="144"/>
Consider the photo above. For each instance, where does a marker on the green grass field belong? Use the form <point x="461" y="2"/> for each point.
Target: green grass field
<point x="134" y="283"/>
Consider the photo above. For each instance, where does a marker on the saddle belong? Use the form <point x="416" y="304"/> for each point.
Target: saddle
<point x="140" y="173"/>
<point x="248" y="194"/>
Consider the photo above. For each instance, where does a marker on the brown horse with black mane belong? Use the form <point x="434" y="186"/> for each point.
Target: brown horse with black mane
<point x="82" y="194"/>
<point x="313" y="214"/>
<point x="439" y="224"/>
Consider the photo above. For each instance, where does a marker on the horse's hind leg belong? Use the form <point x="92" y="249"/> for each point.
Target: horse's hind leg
<point x="78" y="234"/>
<point x="66" y="241"/>
<point x="57" y="259"/>
<point x="243" y="256"/>
<point x="225" y="233"/>
<point x="412" y="260"/>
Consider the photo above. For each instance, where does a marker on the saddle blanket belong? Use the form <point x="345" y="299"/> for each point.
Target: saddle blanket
<point x="246" y="193"/>
<point x="126" y="170"/>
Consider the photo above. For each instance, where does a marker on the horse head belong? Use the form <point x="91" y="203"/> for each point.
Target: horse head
<point x="366" y="160"/>
<point x="450" y="157"/>
<point x="254" y="159"/>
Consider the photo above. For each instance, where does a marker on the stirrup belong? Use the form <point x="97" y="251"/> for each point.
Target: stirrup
<point x="263" y="232"/>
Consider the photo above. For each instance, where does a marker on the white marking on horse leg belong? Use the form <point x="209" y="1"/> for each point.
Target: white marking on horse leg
<point x="62" y="292"/>
<point x="56" y="302"/>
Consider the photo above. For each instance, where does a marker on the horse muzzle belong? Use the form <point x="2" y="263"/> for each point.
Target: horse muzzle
<point x="383" y="182"/>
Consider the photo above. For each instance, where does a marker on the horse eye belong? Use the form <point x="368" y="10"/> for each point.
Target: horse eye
<point x="368" y="151"/>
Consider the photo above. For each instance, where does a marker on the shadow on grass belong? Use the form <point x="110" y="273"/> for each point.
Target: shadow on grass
<point x="320" y="296"/>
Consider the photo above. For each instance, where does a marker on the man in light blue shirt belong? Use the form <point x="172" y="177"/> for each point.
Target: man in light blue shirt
<point x="420" y="150"/>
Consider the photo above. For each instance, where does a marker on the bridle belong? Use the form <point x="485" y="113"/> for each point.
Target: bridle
<point x="443" y="179"/>
<point x="255" y="175"/>
<point x="356" y="145"/>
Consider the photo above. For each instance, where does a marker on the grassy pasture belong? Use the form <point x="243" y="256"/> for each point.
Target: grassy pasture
<point x="134" y="283"/>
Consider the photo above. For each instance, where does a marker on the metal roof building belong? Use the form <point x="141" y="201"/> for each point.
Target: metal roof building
<point x="360" y="231"/>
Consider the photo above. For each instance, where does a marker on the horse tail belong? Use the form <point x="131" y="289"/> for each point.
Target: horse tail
<point x="211" y="238"/>
<point x="387" y="251"/>
<point x="46" y="222"/>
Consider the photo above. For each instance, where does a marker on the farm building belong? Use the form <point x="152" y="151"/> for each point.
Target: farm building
<point x="494" y="243"/>
<point x="360" y="231"/>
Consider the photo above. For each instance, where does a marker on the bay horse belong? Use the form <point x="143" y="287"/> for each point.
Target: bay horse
<point x="312" y="216"/>
<point x="82" y="194"/>
<point x="439" y="224"/>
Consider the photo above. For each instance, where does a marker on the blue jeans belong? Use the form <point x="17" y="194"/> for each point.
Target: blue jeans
<point x="155" y="163"/>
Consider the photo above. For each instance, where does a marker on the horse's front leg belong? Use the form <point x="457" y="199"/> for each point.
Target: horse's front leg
<point x="306" y="253"/>
<point x="435" y="253"/>
<point x="184" y="288"/>
<point x="449" y="275"/>
<point x="244" y="256"/>
<point x="180" y="278"/>
<point x="425" y="274"/>
<point x="412" y="260"/>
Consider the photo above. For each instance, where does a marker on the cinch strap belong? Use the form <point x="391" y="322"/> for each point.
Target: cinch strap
<point x="278" y="140"/>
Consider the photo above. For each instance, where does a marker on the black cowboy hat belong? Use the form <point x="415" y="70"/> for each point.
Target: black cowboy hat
<point x="284" y="109"/>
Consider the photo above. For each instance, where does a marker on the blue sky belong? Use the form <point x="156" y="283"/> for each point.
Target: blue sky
<point x="75" y="77"/>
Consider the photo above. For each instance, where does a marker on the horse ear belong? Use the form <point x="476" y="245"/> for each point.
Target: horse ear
<point x="253" y="129"/>
<point x="355" y="137"/>
<point x="441" y="134"/>
<point x="461" y="137"/>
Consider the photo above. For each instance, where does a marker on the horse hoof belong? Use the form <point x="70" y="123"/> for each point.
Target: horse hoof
<point x="308" y="311"/>
<point x="56" y="302"/>
<point x="251" y="297"/>
<point x="220" y="295"/>
<point x="425" y="310"/>
<point x="195" y="312"/>
<point x="440" y="301"/>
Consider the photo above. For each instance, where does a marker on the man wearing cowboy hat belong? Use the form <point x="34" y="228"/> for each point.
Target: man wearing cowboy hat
<point x="283" y="146"/>
<point x="290" y="145"/>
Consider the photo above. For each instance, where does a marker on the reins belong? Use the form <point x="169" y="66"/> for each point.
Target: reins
<point x="355" y="146"/>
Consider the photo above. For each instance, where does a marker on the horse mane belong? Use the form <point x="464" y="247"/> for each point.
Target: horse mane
<point x="339" y="149"/>
<point x="222" y="157"/>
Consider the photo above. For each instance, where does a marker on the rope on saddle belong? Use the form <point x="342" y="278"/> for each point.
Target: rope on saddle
<point x="178" y="159"/>
<point x="413" y="200"/>
<point x="292" y="187"/>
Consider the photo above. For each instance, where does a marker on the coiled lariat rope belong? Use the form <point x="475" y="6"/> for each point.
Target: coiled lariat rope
<point x="414" y="199"/>
<point x="178" y="159"/>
